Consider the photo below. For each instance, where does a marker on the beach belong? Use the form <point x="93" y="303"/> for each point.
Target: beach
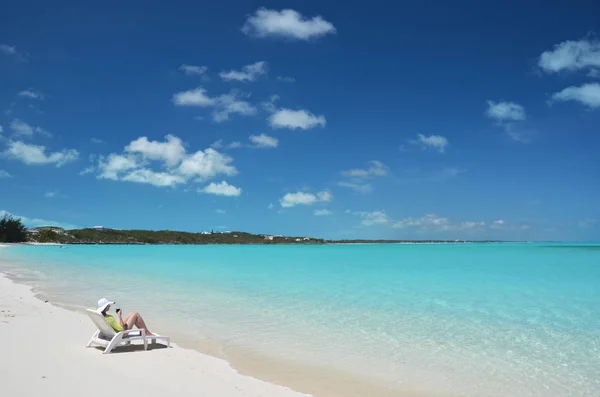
<point x="328" y="321"/>
<point x="43" y="353"/>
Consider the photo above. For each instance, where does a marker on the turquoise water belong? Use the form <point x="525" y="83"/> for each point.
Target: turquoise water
<point x="471" y="319"/>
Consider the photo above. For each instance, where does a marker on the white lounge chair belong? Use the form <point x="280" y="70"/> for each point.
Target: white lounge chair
<point x="106" y="336"/>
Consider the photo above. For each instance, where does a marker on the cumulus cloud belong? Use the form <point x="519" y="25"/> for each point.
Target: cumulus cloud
<point x="221" y="189"/>
<point x="178" y="167"/>
<point x="286" y="23"/>
<point x="436" y="142"/>
<point x="510" y="117"/>
<point x="293" y="119"/>
<point x="248" y="72"/>
<point x="171" y="151"/>
<point x="377" y="168"/>
<point x="191" y="70"/>
<point x="432" y="222"/>
<point x="373" y="218"/>
<point x="586" y="94"/>
<point x="160" y="179"/>
<point x="497" y="224"/>
<point x="322" y="212"/>
<point x="21" y="128"/>
<point x="571" y="56"/>
<point x="224" y="105"/>
<point x="31" y="94"/>
<point x="264" y="141"/>
<point x="505" y="111"/>
<point x="231" y="104"/>
<point x="305" y="198"/>
<point x="194" y="97"/>
<point x="206" y="165"/>
<point x="359" y="187"/>
<point x="36" y="155"/>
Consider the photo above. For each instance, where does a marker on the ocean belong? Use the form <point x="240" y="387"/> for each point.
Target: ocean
<point x="504" y="319"/>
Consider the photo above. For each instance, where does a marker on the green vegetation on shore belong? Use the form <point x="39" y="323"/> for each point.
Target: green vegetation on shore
<point x="113" y="236"/>
<point x="12" y="230"/>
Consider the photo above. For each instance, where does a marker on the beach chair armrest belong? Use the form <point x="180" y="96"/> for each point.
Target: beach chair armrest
<point x="142" y="332"/>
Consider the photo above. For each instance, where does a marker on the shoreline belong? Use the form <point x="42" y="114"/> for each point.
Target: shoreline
<point x="56" y="361"/>
<point x="299" y="378"/>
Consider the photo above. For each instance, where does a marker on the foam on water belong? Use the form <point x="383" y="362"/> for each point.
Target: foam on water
<point x="486" y="320"/>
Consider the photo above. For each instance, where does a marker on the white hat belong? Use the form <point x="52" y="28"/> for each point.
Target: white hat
<point x="102" y="303"/>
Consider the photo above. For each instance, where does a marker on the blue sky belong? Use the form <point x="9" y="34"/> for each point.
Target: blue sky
<point x="430" y="120"/>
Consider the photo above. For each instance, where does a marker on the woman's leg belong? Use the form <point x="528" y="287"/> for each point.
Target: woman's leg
<point x="137" y="320"/>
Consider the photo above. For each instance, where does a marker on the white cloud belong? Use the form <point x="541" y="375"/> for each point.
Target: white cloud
<point x="436" y="142"/>
<point x="271" y="206"/>
<point x="31" y="94"/>
<point x="22" y="128"/>
<point x="248" y="72"/>
<point x="432" y="222"/>
<point x="220" y="211"/>
<point x="373" y="218"/>
<point x="206" y="165"/>
<point x="571" y="56"/>
<point x="505" y="111"/>
<point x="322" y="212"/>
<point x="36" y="155"/>
<point x="231" y="104"/>
<point x="587" y="94"/>
<point x="286" y="79"/>
<point x="179" y="167"/>
<point x="194" y="97"/>
<point x="87" y="170"/>
<point x="52" y="194"/>
<point x="498" y="224"/>
<point x="221" y="189"/>
<point x="224" y="105"/>
<point x="264" y="141"/>
<point x="304" y="198"/>
<point x="193" y="70"/>
<point x="359" y="187"/>
<point x="36" y="222"/>
<point x="171" y="151"/>
<point x="286" y="23"/>
<point x="377" y="168"/>
<point x="292" y="119"/>
<point x="269" y="106"/>
<point x="4" y="175"/>
<point x="8" y="49"/>
<point x="160" y="179"/>
<point x="97" y="141"/>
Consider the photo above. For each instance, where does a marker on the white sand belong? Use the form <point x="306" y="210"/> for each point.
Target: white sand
<point x="42" y="352"/>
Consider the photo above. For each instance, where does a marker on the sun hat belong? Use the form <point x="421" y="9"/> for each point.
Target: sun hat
<point x="102" y="303"/>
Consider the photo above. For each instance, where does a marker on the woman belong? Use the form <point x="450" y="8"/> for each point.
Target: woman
<point x="132" y="319"/>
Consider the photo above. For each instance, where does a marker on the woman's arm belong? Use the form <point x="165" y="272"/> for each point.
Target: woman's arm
<point x="123" y="324"/>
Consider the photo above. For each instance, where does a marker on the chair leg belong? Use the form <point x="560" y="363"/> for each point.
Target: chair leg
<point x="91" y="342"/>
<point x="113" y="343"/>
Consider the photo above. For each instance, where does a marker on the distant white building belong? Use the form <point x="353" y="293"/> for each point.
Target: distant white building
<point x="269" y="238"/>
